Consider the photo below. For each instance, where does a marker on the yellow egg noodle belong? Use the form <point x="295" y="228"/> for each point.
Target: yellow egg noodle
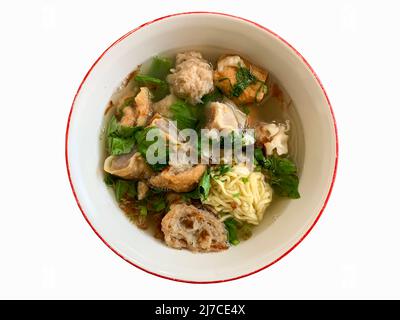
<point x="241" y="194"/>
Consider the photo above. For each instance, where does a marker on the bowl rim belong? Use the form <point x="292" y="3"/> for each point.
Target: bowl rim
<point x="315" y="77"/>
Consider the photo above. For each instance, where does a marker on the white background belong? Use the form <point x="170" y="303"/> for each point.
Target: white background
<point x="47" y="250"/>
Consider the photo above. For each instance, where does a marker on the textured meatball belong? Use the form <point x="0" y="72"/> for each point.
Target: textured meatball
<point x="192" y="77"/>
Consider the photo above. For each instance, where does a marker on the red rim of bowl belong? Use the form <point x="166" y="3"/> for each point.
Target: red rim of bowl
<point x="266" y="30"/>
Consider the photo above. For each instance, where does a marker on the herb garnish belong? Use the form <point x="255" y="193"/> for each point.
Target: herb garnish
<point x="244" y="78"/>
<point x="282" y="173"/>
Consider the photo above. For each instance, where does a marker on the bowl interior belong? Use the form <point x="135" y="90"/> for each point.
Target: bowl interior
<point x="286" y="222"/>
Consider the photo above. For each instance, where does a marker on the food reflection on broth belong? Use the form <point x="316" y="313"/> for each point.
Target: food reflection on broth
<point x="171" y="129"/>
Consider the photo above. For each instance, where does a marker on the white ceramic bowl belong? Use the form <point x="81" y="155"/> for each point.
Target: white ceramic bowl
<point x="285" y="225"/>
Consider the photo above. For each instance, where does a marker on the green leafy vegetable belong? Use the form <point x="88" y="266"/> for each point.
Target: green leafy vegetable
<point x="117" y="130"/>
<point x="143" y="210"/>
<point x="157" y="203"/>
<point x="124" y="188"/>
<point x="109" y="179"/>
<point x="259" y="156"/>
<point x="245" y="179"/>
<point x="221" y="170"/>
<point x="282" y="173"/>
<point x="244" y="78"/>
<point x="224" y="168"/>
<point x="205" y="185"/>
<point x="231" y="227"/>
<point x="156" y="190"/>
<point x="202" y="190"/>
<point x="120" y="139"/>
<point x="143" y="145"/>
<point x="160" y="67"/>
<point x="183" y="114"/>
<point x="118" y="146"/>
<point x="159" y="88"/>
<point x="262" y="88"/>
<point x="214" y="96"/>
<point x="286" y="185"/>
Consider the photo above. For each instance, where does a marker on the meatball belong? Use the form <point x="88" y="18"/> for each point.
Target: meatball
<point x="192" y="77"/>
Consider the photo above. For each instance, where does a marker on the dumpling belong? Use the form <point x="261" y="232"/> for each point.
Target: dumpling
<point x="225" y="116"/>
<point x="128" y="166"/>
<point x="273" y="137"/>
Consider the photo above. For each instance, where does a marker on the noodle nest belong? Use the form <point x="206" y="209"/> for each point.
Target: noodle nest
<point x="240" y="194"/>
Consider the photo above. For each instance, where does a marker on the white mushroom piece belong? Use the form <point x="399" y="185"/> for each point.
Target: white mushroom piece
<point x="192" y="77"/>
<point x="128" y="166"/>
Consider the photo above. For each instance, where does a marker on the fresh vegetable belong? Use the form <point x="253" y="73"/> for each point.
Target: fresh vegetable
<point x="224" y="168"/>
<point x="157" y="203"/>
<point x="202" y="190"/>
<point x="214" y="96"/>
<point x="220" y="170"/>
<point x="263" y="88"/>
<point x="244" y="78"/>
<point x="120" y="139"/>
<point x="183" y="114"/>
<point x="124" y="188"/>
<point x="109" y="179"/>
<point x="118" y="146"/>
<point x="245" y="179"/>
<point x="143" y="145"/>
<point x="231" y="227"/>
<point x="160" y="67"/>
<point x="205" y="185"/>
<point x="282" y="173"/>
<point x="117" y="130"/>
<point x="142" y="210"/>
<point x="159" y="88"/>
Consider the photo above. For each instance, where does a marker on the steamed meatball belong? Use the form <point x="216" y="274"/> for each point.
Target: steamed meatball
<point x="192" y="77"/>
